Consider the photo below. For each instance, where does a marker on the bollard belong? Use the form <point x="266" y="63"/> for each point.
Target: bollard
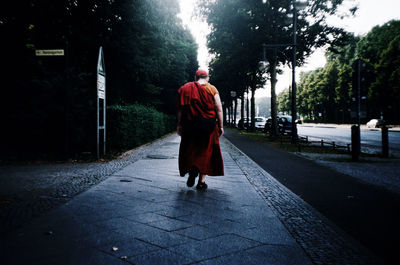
<point x="355" y="142"/>
<point x="385" y="141"/>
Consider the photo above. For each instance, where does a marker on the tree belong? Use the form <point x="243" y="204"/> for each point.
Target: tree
<point x="386" y="88"/>
<point x="371" y="49"/>
<point x="148" y="55"/>
<point x="242" y="26"/>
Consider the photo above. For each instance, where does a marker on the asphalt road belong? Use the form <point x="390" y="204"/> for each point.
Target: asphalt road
<point x="366" y="212"/>
<point x="371" y="139"/>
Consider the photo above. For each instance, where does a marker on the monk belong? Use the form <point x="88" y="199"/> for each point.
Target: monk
<point x="200" y="124"/>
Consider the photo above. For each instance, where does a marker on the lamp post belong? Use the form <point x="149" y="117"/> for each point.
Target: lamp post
<point x="296" y="6"/>
<point x="294" y="88"/>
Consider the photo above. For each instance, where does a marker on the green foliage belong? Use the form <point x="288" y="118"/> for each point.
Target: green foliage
<point x="133" y="125"/>
<point x="329" y="91"/>
<point x="148" y="56"/>
<point x="239" y="30"/>
<point x="284" y="101"/>
<point x="386" y="88"/>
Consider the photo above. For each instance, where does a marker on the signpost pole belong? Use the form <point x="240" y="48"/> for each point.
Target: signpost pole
<point x="101" y="96"/>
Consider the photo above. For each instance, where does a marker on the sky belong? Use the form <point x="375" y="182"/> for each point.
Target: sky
<point x="369" y="14"/>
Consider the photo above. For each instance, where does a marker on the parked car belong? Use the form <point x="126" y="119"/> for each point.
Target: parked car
<point x="242" y="124"/>
<point x="284" y="124"/>
<point x="260" y="123"/>
<point x="375" y="123"/>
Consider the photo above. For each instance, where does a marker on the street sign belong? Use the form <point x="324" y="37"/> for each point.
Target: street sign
<point x="51" y="52"/>
<point x="101" y="86"/>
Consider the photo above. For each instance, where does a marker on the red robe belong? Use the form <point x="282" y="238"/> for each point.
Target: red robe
<point x="202" y="152"/>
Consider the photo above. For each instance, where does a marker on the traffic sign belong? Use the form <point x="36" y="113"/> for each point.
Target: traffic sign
<point x="51" y="52"/>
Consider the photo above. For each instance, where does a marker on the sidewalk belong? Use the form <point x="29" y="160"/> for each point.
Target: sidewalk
<point x="145" y="214"/>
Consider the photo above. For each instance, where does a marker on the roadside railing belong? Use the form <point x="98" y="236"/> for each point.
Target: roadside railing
<point x="304" y="140"/>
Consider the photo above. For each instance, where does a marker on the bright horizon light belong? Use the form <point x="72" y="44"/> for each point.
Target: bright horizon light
<point x="370" y="14"/>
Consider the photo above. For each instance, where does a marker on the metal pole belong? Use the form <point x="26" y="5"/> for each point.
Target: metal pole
<point x="358" y="91"/>
<point x="385" y="141"/>
<point x="294" y="90"/>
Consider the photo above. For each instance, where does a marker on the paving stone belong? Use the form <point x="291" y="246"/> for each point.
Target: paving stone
<point x="263" y="255"/>
<point x="271" y="232"/>
<point x="126" y="244"/>
<point x="214" y="247"/>
<point x="199" y="218"/>
<point x="199" y="232"/>
<point x="154" y="236"/>
<point x="145" y="217"/>
<point x="84" y="256"/>
<point x="160" y="257"/>
<point x="170" y="224"/>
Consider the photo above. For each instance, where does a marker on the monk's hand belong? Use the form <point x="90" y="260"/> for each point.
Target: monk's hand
<point x="179" y="129"/>
<point x="220" y="131"/>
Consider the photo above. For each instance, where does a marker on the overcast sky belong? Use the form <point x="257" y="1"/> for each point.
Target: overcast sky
<point x="370" y="14"/>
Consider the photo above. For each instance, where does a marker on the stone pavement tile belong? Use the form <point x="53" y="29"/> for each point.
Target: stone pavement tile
<point x="170" y="224"/>
<point x="263" y="255"/>
<point x="116" y="223"/>
<point x="145" y="218"/>
<point x="96" y="197"/>
<point x="190" y="194"/>
<point x="174" y="213"/>
<point x="61" y="223"/>
<point x="30" y="248"/>
<point x="187" y="206"/>
<point x="154" y="236"/>
<point x="66" y="230"/>
<point x="270" y="232"/>
<point x="228" y="226"/>
<point x="86" y="207"/>
<point x="156" y="197"/>
<point x="86" y="256"/>
<point x="199" y="232"/>
<point x="32" y="245"/>
<point x="160" y="257"/>
<point x="214" y="247"/>
<point x="126" y="244"/>
<point x="72" y="256"/>
<point x="199" y="218"/>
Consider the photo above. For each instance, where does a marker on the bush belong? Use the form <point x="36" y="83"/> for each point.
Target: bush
<point x="133" y="125"/>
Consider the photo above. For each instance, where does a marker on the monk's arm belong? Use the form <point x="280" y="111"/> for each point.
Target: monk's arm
<point x="179" y="126"/>
<point x="218" y="109"/>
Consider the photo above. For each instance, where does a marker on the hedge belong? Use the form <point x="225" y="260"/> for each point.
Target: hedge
<point x="133" y="125"/>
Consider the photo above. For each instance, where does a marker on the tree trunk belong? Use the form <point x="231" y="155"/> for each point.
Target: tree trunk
<point x="224" y="115"/>
<point x="247" y="109"/>
<point x="274" y="124"/>
<point x="234" y="113"/>
<point x="253" y="109"/>
<point x="242" y="107"/>
<point x="229" y="116"/>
